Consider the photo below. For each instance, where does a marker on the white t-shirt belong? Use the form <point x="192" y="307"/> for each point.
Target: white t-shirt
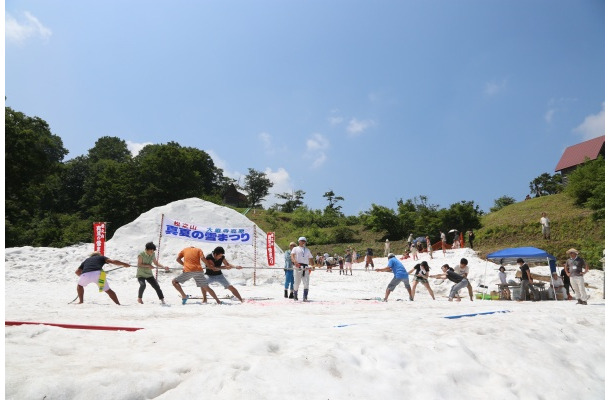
<point x="502" y="276"/>
<point x="460" y="270"/>
<point x="545" y="222"/>
<point x="302" y="255"/>
<point x="556" y="282"/>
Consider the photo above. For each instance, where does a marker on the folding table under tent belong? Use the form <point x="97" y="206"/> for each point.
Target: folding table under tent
<point x="528" y="254"/>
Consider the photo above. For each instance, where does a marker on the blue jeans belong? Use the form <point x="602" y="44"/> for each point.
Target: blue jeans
<point x="289" y="282"/>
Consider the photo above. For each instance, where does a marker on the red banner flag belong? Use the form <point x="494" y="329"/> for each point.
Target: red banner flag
<point x="99" y="236"/>
<point x="271" y="248"/>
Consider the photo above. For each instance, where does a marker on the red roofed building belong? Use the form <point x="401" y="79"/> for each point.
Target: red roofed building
<point x="576" y="155"/>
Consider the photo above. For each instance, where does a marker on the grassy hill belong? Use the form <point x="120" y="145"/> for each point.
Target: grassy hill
<point x="516" y="225"/>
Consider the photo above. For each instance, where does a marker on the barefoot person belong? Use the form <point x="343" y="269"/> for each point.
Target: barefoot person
<point x="190" y="259"/>
<point x="146" y="259"/>
<point x="400" y="276"/>
<point x="90" y="271"/>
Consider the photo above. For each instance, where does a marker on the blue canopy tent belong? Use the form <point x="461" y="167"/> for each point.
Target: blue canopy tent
<point x="528" y="254"/>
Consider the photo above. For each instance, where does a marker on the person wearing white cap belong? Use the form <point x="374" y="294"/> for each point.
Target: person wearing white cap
<point x="576" y="268"/>
<point x="303" y="261"/>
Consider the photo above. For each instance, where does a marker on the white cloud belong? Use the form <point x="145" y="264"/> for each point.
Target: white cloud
<point x="494" y="87"/>
<point x="220" y="163"/>
<point x="335" y="117"/>
<point x="317" y="142"/>
<point x="335" y="120"/>
<point x="548" y="117"/>
<point x="135" y="148"/>
<point x="594" y="125"/>
<point x="281" y="184"/>
<point x="356" y="127"/>
<point x="319" y="160"/>
<point x="316" y="149"/>
<point x="266" y="139"/>
<point x="20" y="31"/>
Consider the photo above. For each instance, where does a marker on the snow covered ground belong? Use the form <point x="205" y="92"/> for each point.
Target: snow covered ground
<point x="338" y="346"/>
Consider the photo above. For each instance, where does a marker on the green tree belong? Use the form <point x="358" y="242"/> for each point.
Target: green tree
<point x="462" y="216"/>
<point x="502" y="202"/>
<point x="383" y="219"/>
<point x="33" y="158"/>
<point x="110" y="148"/>
<point x="170" y="172"/>
<point x="292" y="201"/>
<point x="546" y="184"/>
<point x="109" y="194"/>
<point x="73" y="176"/>
<point x="257" y="186"/>
<point x="586" y="185"/>
<point x="332" y="202"/>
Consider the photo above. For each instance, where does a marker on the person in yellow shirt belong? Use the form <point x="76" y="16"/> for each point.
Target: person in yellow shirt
<point x="190" y="259"/>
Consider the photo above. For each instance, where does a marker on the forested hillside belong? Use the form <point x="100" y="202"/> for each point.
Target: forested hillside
<point x="516" y="225"/>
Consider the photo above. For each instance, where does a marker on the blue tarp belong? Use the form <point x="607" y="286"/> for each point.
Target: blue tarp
<point x="529" y="254"/>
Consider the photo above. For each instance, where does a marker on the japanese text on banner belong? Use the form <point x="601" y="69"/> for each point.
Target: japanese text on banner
<point x="210" y="234"/>
<point x="271" y="248"/>
<point x="99" y="236"/>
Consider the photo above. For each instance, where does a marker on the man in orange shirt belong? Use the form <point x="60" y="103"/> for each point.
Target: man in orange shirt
<point x="190" y="258"/>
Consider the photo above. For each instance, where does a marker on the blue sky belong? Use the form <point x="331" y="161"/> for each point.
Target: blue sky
<point x="375" y="100"/>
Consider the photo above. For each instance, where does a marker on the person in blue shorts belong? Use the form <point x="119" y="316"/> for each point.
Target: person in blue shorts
<point x="400" y="276"/>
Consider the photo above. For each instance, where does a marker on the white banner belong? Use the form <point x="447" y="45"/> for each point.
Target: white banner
<point x="207" y="234"/>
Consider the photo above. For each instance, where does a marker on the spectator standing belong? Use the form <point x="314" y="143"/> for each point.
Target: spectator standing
<point x="527" y="283"/>
<point x="429" y="246"/>
<point x="414" y="252"/>
<point x="369" y="259"/>
<point x="576" y="268"/>
<point x="303" y="261"/>
<point x="566" y="283"/>
<point x="386" y="248"/>
<point x="443" y="242"/>
<point x="456" y="240"/>
<point x="289" y="272"/>
<point x="505" y="293"/>
<point x="348" y="261"/>
<point x="546" y="226"/>
<point x="471" y="239"/>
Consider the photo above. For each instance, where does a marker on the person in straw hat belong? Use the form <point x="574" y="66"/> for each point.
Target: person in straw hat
<point x="576" y="268"/>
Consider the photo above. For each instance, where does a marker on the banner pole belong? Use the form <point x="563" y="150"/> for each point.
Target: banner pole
<point x="254" y="254"/>
<point x="159" y="246"/>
